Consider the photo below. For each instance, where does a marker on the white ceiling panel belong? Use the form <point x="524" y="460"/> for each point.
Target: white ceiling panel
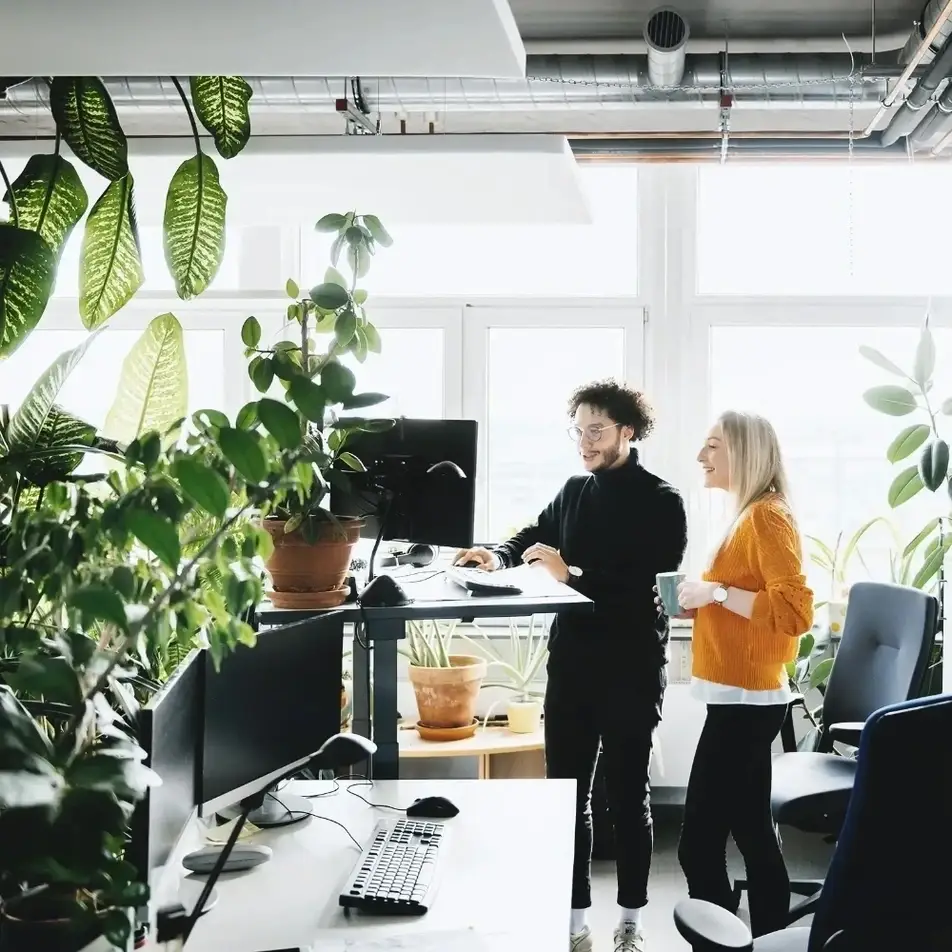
<point x="251" y="37"/>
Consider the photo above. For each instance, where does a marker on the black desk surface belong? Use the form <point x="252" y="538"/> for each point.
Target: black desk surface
<point x="436" y="597"/>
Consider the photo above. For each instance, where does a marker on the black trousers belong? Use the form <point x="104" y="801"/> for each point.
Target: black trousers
<point x="592" y="705"/>
<point x="729" y="795"/>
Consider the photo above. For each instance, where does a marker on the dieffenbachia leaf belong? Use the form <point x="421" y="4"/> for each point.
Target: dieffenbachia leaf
<point x="221" y="104"/>
<point x="27" y="276"/>
<point x="86" y="118"/>
<point x="195" y="225"/>
<point x="50" y="198"/>
<point x="153" y="387"/>
<point x="111" y="265"/>
<point x="60" y="429"/>
<point x="31" y="418"/>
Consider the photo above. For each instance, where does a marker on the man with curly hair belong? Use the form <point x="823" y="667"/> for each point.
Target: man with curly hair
<point x="607" y="534"/>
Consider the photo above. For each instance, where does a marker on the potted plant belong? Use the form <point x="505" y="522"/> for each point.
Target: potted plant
<point x="810" y="672"/>
<point x="520" y="664"/>
<point x="446" y="685"/>
<point x="313" y="547"/>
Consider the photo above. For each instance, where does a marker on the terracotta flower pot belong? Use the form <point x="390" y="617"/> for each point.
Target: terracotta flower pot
<point x="446" y="697"/>
<point x="311" y="574"/>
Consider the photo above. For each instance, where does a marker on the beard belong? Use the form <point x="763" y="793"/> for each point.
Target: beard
<point x="610" y="456"/>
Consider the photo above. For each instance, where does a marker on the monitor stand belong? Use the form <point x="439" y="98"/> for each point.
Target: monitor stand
<point x="280" y="808"/>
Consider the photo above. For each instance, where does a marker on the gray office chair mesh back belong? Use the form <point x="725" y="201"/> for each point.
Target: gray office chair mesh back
<point x="882" y="658"/>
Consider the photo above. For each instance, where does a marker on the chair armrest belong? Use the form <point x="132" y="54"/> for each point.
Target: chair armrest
<point x="846" y="732"/>
<point x="709" y="928"/>
<point x="788" y="736"/>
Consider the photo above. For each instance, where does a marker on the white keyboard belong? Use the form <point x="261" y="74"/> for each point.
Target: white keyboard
<point x="480" y="582"/>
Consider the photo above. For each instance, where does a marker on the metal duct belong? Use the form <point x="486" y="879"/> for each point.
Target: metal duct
<point x="555" y="82"/>
<point x="938" y="124"/>
<point x="666" y="35"/>
<point x="918" y="103"/>
<point x="699" y="148"/>
<point x="931" y="12"/>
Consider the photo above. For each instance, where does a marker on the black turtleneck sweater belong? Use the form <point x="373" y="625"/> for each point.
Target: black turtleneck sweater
<point x="621" y="527"/>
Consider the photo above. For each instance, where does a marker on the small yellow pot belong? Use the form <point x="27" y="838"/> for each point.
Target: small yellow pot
<point x="524" y="716"/>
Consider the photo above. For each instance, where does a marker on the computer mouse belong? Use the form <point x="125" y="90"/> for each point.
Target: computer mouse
<point x="383" y="592"/>
<point x="433" y="808"/>
<point x="471" y="564"/>
<point x="243" y="856"/>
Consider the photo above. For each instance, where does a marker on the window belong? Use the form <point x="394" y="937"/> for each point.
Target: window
<point x="157" y="276"/>
<point x="530" y="373"/>
<point x="541" y="260"/>
<point x="409" y="369"/>
<point x="90" y="390"/>
<point x="822" y="229"/>
<point x="833" y="442"/>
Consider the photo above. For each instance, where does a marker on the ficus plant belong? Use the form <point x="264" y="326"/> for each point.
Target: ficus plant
<point x="93" y="573"/>
<point x="48" y="200"/>
<point x="921" y="439"/>
<point x="319" y="388"/>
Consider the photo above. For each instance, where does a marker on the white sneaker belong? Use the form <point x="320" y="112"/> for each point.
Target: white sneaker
<point x="581" y="941"/>
<point x="629" y="938"/>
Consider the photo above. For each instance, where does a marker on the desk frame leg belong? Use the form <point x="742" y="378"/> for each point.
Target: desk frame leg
<point x="375" y="710"/>
<point x="386" y="637"/>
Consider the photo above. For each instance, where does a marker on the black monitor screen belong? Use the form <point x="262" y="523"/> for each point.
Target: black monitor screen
<point x="420" y="478"/>
<point x="270" y="706"/>
<point x="170" y="732"/>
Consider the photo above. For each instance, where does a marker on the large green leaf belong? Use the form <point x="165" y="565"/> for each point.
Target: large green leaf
<point x="934" y="464"/>
<point x="925" y="358"/>
<point x="32" y="416"/>
<point x="195" y="225"/>
<point x="153" y="388"/>
<point x="50" y="198"/>
<point x="60" y="429"/>
<point x="111" y="264"/>
<point x="932" y="563"/>
<point x="907" y="442"/>
<point x="891" y="399"/>
<point x="905" y="486"/>
<point x="221" y="104"/>
<point x="87" y="120"/>
<point x="878" y="358"/>
<point x="27" y="275"/>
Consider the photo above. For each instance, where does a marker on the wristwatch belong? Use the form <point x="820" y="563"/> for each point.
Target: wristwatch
<point x="575" y="571"/>
<point x="719" y="595"/>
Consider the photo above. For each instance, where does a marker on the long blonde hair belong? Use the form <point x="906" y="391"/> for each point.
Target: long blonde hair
<point x="755" y="463"/>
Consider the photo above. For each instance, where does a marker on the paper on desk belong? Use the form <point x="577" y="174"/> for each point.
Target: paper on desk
<point x="457" y="940"/>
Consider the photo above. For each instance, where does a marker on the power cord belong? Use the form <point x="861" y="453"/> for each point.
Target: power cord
<point x="376" y="806"/>
<point x="317" y="816"/>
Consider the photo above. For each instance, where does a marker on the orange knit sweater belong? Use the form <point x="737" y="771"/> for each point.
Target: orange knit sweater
<point x="762" y="555"/>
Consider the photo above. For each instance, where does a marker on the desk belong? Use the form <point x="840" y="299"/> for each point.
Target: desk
<point x="434" y="597"/>
<point x="506" y="873"/>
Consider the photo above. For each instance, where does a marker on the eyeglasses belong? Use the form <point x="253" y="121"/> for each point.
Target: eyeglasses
<point x="591" y="433"/>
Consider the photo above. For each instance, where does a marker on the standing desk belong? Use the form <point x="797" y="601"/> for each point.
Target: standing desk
<point x="434" y="597"/>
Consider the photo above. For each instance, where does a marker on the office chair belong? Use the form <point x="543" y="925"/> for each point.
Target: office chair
<point x="899" y="821"/>
<point x="882" y="659"/>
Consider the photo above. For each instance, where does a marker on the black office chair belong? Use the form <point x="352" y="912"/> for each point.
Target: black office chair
<point x="889" y="883"/>
<point x="882" y="659"/>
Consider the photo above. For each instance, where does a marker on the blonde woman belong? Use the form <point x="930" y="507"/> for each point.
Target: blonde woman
<point x="749" y="610"/>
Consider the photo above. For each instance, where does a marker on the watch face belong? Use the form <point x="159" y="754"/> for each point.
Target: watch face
<point x="720" y="595"/>
<point x="575" y="570"/>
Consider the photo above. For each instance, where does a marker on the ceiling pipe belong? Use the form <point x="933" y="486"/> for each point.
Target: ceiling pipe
<point x="702" y="148"/>
<point x="919" y="101"/>
<point x="931" y="14"/>
<point x="937" y="125"/>
<point x="666" y="36"/>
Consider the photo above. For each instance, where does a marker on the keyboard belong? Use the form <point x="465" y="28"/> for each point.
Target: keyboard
<point x="480" y="582"/>
<point x="396" y="873"/>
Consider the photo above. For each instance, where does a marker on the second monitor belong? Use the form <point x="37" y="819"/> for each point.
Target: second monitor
<point x="419" y="484"/>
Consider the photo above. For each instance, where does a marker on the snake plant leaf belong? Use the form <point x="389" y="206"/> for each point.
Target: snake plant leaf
<point x="907" y="442"/>
<point x="221" y="104"/>
<point x="195" y="225"/>
<point x="60" y="429"/>
<point x="891" y="399"/>
<point x="27" y="276"/>
<point x="50" y="198"/>
<point x="153" y="387"/>
<point x="31" y="418"/>
<point x="86" y="118"/>
<point x="110" y="263"/>
<point x="906" y="485"/>
<point x="934" y="464"/>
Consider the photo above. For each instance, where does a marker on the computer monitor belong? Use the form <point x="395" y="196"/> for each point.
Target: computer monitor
<point x="419" y="484"/>
<point x="266" y="709"/>
<point x="169" y="730"/>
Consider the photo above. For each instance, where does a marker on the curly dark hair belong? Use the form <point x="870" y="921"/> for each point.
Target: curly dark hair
<point x="622" y="404"/>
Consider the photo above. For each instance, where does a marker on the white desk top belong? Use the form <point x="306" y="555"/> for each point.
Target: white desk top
<point x="506" y="874"/>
